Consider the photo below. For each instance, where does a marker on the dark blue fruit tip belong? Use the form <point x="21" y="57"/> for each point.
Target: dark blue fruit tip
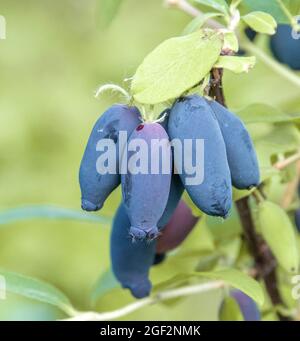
<point x="141" y="289"/>
<point x="139" y="234"/>
<point x="89" y="206"/>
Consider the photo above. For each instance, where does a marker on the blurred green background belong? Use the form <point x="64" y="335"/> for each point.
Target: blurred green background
<point x="53" y="59"/>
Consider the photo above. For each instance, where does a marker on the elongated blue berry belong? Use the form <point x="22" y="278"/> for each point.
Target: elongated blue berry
<point x="241" y="154"/>
<point x="175" y="194"/>
<point x="96" y="187"/>
<point x="192" y="120"/>
<point x="146" y="184"/>
<point x="131" y="260"/>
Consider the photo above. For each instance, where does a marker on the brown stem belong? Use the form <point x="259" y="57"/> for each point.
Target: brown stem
<point x="265" y="263"/>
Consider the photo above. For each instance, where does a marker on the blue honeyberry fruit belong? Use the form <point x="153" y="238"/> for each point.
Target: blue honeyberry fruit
<point x="297" y="219"/>
<point x="176" y="190"/>
<point x="241" y="154"/>
<point x="141" y="255"/>
<point x="191" y="118"/>
<point x="146" y="192"/>
<point x="95" y="188"/>
<point x="285" y="48"/>
<point x="247" y="306"/>
<point x="131" y="261"/>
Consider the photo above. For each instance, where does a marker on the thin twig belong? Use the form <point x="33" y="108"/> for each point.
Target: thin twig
<point x="288" y="161"/>
<point x="186" y="7"/>
<point x="159" y="297"/>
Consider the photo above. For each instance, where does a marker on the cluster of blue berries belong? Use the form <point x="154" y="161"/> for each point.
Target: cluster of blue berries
<point x="142" y="228"/>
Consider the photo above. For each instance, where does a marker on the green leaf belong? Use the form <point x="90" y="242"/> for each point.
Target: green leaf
<point x="47" y="212"/>
<point x="107" y="10"/>
<point x="198" y="22"/>
<point x="273" y="7"/>
<point x="261" y="22"/>
<point x="231" y="42"/>
<point x="278" y="232"/>
<point x="225" y="229"/>
<point x="209" y="261"/>
<point x="281" y="139"/>
<point x="264" y="113"/>
<point x="230" y="310"/>
<point x="219" y="5"/>
<point x="198" y="241"/>
<point x="259" y="130"/>
<point x="37" y="290"/>
<point x="236" y="64"/>
<point x="175" y="66"/>
<point x="106" y="282"/>
<point x="171" y="283"/>
<point x="238" y="280"/>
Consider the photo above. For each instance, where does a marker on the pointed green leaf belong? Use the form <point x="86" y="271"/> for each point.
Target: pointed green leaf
<point x="219" y="5"/>
<point x="264" y="113"/>
<point x="37" y="290"/>
<point x="236" y="64"/>
<point x="175" y="66"/>
<point x="269" y="6"/>
<point x="48" y="212"/>
<point x="261" y="22"/>
<point x="279" y="233"/>
<point x="238" y="280"/>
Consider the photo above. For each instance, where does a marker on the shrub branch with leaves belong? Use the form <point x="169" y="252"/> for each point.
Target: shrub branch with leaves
<point x="259" y="254"/>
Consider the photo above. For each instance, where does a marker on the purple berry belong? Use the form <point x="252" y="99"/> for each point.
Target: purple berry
<point x="178" y="228"/>
<point x="145" y="195"/>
